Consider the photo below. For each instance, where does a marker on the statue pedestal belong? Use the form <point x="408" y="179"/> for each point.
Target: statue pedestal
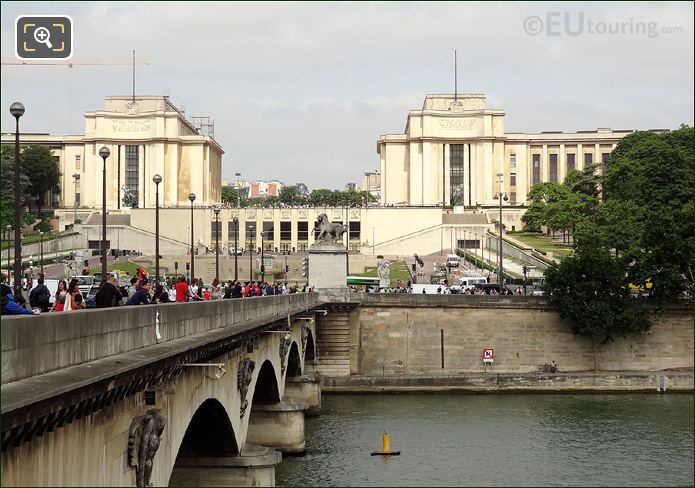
<point x="328" y="266"/>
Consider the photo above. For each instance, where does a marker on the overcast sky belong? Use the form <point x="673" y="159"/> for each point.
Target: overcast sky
<point x="302" y="91"/>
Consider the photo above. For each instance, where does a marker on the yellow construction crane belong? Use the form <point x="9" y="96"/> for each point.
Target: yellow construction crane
<point x="71" y="62"/>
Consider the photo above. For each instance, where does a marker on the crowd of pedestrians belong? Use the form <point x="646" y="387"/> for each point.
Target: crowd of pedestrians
<point x="140" y="292"/>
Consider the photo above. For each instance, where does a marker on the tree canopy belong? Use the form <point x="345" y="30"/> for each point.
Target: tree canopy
<point x="641" y="232"/>
<point x="292" y="196"/>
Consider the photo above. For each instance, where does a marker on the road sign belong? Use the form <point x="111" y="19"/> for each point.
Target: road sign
<point x="488" y="356"/>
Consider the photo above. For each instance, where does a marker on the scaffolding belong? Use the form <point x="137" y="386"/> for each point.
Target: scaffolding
<point x="204" y="125"/>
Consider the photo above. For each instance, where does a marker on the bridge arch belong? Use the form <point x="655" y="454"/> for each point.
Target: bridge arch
<point x="294" y="362"/>
<point x="310" y="351"/>
<point x="209" y="435"/>
<point x="266" y="390"/>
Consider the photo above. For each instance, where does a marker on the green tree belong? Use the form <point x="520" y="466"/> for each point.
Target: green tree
<point x="7" y="188"/>
<point x="289" y="195"/>
<point x="230" y="195"/>
<point x="590" y="289"/>
<point x="43" y="171"/>
<point x="322" y="197"/>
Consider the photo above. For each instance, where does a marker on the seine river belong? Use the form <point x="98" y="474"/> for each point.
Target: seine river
<point x="507" y="440"/>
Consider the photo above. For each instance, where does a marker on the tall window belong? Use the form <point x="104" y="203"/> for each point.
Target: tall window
<point x="302" y="231"/>
<point x="78" y="162"/>
<point x="512" y="161"/>
<point x="552" y="166"/>
<point x="216" y="231"/>
<point x="512" y="179"/>
<point x="269" y="231"/>
<point x="536" y="159"/>
<point x="456" y="173"/>
<point x="132" y="172"/>
<point x="232" y="231"/>
<point x="512" y="197"/>
<point x="355" y="231"/>
<point x="571" y="164"/>
<point x="250" y="235"/>
<point x="285" y="231"/>
<point x="588" y="159"/>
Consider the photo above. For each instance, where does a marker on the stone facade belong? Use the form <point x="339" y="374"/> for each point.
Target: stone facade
<point x="401" y="334"/>
<point x="453" y="148"/>
<point x="147" y="136"/>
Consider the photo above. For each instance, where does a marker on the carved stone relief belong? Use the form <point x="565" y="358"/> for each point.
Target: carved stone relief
<point x="243" y="378"/>
<point x="143" y="442"/>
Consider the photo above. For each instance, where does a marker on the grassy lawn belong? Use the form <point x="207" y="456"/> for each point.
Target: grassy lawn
<point x="123" y="267"/>
<point x="30" y="239"/>
<point x="540" y="243"/>
<point x="399" y="271"/>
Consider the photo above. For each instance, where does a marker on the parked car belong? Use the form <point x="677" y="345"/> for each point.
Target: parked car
<point x="84" y="283"/>
<point x="90" y="299"/>
<point x="236" y="251"/>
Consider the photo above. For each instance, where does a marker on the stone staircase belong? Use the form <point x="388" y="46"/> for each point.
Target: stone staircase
<point x="333" y="344"/>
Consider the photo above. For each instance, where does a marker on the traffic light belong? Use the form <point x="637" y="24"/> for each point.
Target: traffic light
<point x="262" y="270"/>
<point x="412" y="266"/>
<point x="188" y="266"/>
<point x="287" y="269"/>
<point x="305" y="267"/>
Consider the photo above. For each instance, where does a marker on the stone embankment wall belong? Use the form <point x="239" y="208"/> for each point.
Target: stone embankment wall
<point x="401" y="334"/>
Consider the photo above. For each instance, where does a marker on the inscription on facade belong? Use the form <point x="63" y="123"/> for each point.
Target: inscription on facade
<point x="458" y="125"/>
<point x="131" y="125"/>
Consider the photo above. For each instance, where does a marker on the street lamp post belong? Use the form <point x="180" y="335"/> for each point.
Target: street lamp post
<point x="501" y="196"/>
<point x="216" y="209"/>
<point x="236" y="244"/>
<point x="262" y="272"/>
<point x="76" y="178"/>
<point x="157" y="180"/>
<point x="191" y="197"/>
<point x="8" y="228"/>
<point x="104" y="153"/>
<point x="250" y="255"/>
<point x="17" y="110"/>
<point x="41" y="250"/>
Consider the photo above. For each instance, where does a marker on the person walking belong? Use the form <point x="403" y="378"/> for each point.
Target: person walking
<point x="73" y="291"/>
<point x="182" y="291"/>
<point x="108" y="295"/>
<point x="61" y="293"/>
<point x="216" y="290"/>
<point x="40" y="296"/>
<point x="9" y="305"/>
<point x="142" y="295"/>
<point x="160" y="295"/>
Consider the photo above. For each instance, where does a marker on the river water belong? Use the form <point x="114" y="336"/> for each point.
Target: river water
<point x="498" y="440"/>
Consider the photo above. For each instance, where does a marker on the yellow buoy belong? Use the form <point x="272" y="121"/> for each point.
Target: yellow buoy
<point x="386" y="447"/>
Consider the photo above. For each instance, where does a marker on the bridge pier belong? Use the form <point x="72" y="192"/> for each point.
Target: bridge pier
<point x="255" y="466"/>
<point x="306" y="388"/>
<point x="278" y="425"/>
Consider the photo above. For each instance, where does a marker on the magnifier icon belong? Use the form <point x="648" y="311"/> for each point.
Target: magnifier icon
<point x="43" y="36"/>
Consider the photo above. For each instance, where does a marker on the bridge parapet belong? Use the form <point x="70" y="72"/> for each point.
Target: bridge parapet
<point x="35" y="345"/>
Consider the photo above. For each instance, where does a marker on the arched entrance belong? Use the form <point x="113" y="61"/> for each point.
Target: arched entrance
<point x="209" y="436"/>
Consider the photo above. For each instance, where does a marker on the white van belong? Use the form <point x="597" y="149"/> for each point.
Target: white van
<point x="453" y="261"/>
<point x="467" y="282"/>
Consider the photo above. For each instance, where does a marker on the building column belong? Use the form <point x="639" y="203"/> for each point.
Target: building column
<point x="305" y="388"/>
<point x="255" y="466"/>
<point x="545" y="167"/>
<point x="278" y="425"/>
<point x="562" y="165"/>
<point x="579" y="159"/>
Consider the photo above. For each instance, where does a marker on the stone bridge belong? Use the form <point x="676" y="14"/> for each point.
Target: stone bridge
<point x="177" y="394"/>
